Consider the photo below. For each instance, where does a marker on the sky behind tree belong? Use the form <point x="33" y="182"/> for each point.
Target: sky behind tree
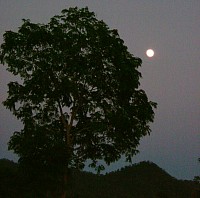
<point x="171" y="77"/>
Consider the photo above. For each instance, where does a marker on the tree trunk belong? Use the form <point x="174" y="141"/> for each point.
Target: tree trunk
<point x="68" y="140"/>
<point x="64" y="187"/>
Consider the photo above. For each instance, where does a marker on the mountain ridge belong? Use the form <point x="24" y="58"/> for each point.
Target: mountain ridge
<point x="144" y="179"/>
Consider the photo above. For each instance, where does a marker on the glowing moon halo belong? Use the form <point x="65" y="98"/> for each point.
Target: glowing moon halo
<point x="150" y="53"/>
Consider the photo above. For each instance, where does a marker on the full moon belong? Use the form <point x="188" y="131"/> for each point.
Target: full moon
<point x="150" y="53"/>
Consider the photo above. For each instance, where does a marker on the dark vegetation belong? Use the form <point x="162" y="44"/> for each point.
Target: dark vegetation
<point x="78" y="97"/>
<point x="145" y="179"/>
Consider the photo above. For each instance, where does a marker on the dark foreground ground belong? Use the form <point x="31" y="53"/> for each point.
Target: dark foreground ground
<point x="143" y="180"/>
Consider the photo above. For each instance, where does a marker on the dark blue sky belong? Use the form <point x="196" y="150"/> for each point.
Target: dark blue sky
<point x="171" y="77"/>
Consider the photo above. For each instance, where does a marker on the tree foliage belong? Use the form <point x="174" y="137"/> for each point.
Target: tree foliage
<point x="78" y="96"/>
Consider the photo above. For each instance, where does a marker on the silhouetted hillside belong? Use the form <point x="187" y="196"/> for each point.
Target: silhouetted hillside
<point x="145" y="179"/>
<point x="8" y="178"/>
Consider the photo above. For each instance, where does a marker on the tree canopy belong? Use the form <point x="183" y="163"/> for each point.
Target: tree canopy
<point x="78" y="95"/>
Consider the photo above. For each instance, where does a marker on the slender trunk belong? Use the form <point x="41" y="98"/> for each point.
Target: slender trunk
<point x="68" y="140"/>
<point x="64" y="191"/>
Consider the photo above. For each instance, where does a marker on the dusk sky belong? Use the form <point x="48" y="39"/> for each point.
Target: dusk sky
<point x="171" y="77"/>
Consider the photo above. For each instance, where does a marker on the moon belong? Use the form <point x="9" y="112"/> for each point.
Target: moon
<point x="150" y="53"/>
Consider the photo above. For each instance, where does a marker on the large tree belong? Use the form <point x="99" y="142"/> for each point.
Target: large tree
<point x="78" y="95"/>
